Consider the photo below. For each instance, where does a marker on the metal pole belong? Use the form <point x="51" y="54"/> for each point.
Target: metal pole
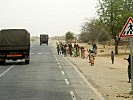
<point x="131" y="47"/>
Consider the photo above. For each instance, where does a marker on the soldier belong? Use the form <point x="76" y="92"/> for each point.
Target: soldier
<point x="58" y="49"/>
<point x="95" y="48"/>
<point x="70" y="48"/>
<point x="129" y="67"/>
<point x="112" y="57"/>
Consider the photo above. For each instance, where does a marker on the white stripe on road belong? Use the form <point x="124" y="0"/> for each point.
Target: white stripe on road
<point x="47" y="53"/>
<point x="81" y="82"/>
<point x="39" y="53"/>
<point x="67" y="82"/>
<point x="60" y="67"/>
<point x="6" y="70"/>
<point x="62" y="72"/>
<point x="32" y="53"/>
<point x="57" y="59"/>
<point x="72" y="95"/>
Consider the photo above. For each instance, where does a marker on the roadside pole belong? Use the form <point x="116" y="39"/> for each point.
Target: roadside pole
<point x="131" y="48"/>
<point x="127" y="31"/>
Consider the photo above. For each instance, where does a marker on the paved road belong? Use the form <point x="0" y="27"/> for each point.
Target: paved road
<point x="48" y="77"/>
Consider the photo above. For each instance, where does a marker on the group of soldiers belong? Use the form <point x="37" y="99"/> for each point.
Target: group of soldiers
<point x="75" y="50"/>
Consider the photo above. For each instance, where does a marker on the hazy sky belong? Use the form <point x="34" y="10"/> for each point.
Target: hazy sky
<point x="54" y="17"/>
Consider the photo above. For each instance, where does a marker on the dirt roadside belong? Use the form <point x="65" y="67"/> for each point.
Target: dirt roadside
<point x="111" y="80"/>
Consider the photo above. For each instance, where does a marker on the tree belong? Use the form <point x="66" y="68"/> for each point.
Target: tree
<point x="69" y="36"/>
<point x="128" y="5"/>
<point x="112" y="13"/>
<point x="93" y="31"/>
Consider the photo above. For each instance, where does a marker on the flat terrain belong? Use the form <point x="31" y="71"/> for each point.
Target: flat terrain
<point x="111" y="80"/>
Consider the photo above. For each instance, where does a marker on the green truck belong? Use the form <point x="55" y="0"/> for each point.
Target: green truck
<point x="44" y="39"/>
<point x="14" y="45"/>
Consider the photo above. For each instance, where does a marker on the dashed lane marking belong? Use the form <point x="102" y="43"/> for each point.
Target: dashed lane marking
<point x="47" y="53"/>
<point x="67" y="82"/>
<point x="60" y="67"/>
<point x="39" y="53"/>
<point x="57" y="59"/>
<point x="73" y="95"/>
<point x="32" y="53"/>
<point x="62" y="72"/>
<point x="81" y="82"/>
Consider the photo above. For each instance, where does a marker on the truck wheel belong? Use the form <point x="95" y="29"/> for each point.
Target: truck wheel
<point x="47" y="43"/>
<point x="40" y="44"/>
<point x="27" y="61"/>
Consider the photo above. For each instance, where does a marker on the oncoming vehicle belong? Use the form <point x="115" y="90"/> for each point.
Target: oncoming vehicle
<point x="44" y="39"/>
<point x="14" y="45"/>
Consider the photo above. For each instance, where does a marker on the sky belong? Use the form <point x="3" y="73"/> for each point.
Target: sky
<point x="53" y="17"/>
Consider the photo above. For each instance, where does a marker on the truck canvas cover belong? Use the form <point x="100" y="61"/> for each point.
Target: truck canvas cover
<point x="44" y="37"/>
<point x="14" y="39"/>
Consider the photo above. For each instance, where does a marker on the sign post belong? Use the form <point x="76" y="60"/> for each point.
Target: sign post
<point x="127" y="31"/>
<point x="131" y="53"/>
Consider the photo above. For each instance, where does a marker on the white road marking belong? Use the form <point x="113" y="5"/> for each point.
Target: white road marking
<point x="60" y="67"/>
<point x="55" y="56"/>
<point x="47" y="53"/>
<point x="62" y="72"/>
<point x="32" y="53"/>
<point x="57" y="59"/>
<point x="81" y="82"/>
<point x="86" y="81"/>
<point x="39" y="53"/>
<point x="67" y="82"/>
<point x="6" y="70"/>
<point x="72" y="95"/>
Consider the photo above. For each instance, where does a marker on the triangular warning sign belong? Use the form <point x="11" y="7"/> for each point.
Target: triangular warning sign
<point x="127" y="30"/>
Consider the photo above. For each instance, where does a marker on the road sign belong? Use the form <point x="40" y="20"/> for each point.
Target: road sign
<point x="127" y="30"/>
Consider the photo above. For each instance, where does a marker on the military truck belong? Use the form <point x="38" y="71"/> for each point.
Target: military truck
<point x="14" y="45"/>
<point x="44" y="39"/>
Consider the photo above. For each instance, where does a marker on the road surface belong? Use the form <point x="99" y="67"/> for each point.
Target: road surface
<point x="48" y="77"/>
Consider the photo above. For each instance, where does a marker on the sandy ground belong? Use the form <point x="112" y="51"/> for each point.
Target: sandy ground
<point x="111" y="80"/>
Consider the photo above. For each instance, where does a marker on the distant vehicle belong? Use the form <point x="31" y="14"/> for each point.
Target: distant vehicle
<point x="44" y="39"/>
<point x="14" y="45"/>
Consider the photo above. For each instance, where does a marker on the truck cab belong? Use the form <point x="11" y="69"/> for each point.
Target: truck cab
<point x="44" y="39"/>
